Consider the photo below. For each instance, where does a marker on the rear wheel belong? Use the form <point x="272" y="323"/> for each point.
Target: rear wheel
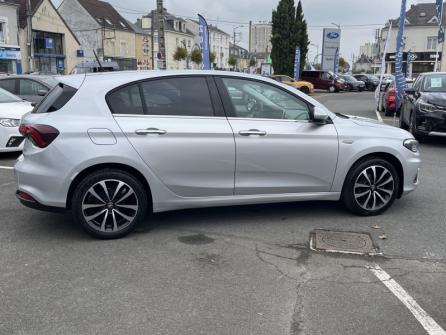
<point x="109" y="203"/>
<point x="370" y="187"/>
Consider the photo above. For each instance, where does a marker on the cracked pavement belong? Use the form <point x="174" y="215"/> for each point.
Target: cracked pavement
<point x="237" y="270"/>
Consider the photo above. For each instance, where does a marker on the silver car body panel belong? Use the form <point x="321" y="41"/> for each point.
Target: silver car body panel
<point x="195" y="163"/>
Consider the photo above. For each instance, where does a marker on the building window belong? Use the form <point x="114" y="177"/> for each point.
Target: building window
<point x="47" y="43"/>
<point x="108" y="21"/>
<point x="432" y="43"/>
<point x="2" y="32"/>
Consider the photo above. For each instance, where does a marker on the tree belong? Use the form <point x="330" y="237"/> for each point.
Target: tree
<point x="289" y="31"/>
<point x="232" y="61"/>
<point x="301" y="35"/>
<point x="343" y="65"/>
<point x="282" y="39"/>
<point x="180" y="54"/>
<point x="212" y="57"/>
<point x="195" y="56"/>
<point x="252" y="62"/>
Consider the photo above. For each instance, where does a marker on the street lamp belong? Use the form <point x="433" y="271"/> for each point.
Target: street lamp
<point x="336" y="25"/>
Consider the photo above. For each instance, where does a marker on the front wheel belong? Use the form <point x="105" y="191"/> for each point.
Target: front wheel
<point x="371" y="187"/>
<point x="305" y="90"/>
<point x="109" y="203"/>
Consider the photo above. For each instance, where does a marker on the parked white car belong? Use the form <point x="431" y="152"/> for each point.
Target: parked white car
<point x="12" y="108"/>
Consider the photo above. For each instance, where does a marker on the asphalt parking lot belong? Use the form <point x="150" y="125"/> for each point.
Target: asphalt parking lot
<point x="236" y="270"/>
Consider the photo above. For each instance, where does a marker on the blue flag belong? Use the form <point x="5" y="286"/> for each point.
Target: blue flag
<point x="439" y="10"/>
<point x="204" y="43"/>
<point x="336" y="61"/>
<point x="399" y="76"/>
<point x="408" y="62"/>
<point x="297" y="64"/>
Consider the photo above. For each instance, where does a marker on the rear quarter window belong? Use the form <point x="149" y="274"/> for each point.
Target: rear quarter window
<point x="55" y="99"/>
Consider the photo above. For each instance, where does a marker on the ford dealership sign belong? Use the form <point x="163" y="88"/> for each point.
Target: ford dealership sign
<point x="333" y="35"/>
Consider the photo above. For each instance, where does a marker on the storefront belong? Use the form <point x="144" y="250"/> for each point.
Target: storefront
<point x="10" y="60"/>
<point x="48" y="52"/>
<point x="420" y="62"/>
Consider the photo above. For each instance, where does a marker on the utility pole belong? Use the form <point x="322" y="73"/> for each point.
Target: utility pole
<point x="30" y="37"/>
<point x="161" y="39"/>
<point x="250" y="37"/>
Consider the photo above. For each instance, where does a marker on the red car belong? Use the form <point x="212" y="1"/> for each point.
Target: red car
<point x="324" y="80"/>
<point x="388" y="100"/>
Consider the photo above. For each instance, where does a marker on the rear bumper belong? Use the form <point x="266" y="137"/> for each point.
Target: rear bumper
<point x="38" y="206"/>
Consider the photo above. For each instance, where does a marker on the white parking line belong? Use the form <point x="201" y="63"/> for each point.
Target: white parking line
<point x="6" y="167"/>
<point x="429" y="324"/>
<point x="378" y="115"/>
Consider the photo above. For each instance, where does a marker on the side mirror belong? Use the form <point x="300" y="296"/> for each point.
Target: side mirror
<point x="319" y="116"/>
<point x="410" y="91"/>
<point x="42" y="93"/>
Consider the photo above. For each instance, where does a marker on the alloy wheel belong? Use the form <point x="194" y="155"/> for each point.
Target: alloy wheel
<point x="374" y="188"/>
<point x="110" y="206"/>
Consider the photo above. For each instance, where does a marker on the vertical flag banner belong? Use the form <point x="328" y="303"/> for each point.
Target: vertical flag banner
<point x="383" y="62"/>
<point x="336" y="61"/>
<point x="297" y="64"/>
<point x="399" y="76"/>
<point x="204" y="43"/>
<point x="408" y="62"/>
<point x="439" y="10"/>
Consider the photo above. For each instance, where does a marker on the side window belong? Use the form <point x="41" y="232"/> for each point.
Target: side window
<point x="177" y="96"/>
<point x="325" y="76"/>
<point x="126" y="100"/>
<point x="31" y="87"/>
<point x="56" y="99"/>
<point x="252" y="99"/>
<point x="9" y="85"/>
<point x="417" y="83"/>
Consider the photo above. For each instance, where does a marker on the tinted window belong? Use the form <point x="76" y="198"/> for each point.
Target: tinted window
<point x="56" y="99"/>
<point x="31" y="87"/>
<point x="126" y="100"/>
<point x="252" y="99"/>
<point x="8" y="84"/>
<point x="177" y="96"/>
<point x="310" y="74"/>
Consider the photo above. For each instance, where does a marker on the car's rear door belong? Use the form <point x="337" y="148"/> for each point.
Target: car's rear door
<point x="177" y="125"/>
<point x="278" y="149"/>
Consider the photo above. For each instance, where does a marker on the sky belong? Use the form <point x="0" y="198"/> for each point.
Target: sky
<point x="358" y="18"/>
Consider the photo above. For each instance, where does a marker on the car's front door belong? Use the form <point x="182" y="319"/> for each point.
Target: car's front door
<point x="278" y="149"/>
<point x="180" y="131"/>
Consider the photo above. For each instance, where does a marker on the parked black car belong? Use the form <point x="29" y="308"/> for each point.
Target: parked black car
<point x="31" y="88"/>
<point x="424" y="107"/>
<point x="371" y="81"/>
<point x="353" y="84"/>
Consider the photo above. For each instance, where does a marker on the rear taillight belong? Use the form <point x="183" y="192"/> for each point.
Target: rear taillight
<point x="39" y="134"/>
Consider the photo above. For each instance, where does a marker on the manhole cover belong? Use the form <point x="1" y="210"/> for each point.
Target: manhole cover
<point x="342" y="242"/>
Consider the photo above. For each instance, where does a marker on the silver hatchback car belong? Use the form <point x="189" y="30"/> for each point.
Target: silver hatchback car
<point x="110" y="147"/>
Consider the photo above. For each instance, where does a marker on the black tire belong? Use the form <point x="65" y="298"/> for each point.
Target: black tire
<point x="356" y="173"/>
<point x="387" y="112"/>
<point x="305" y="90"/>
<point x="112" y="178"/>
<point x="360" y="89"/>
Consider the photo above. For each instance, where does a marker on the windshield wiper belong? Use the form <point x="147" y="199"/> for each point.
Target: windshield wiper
<point x="342" y="116"/>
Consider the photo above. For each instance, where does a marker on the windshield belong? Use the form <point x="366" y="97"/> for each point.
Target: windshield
<point x="5" y="96"/>
<point x="349" y="78"/>
<point x="435" y="83"/>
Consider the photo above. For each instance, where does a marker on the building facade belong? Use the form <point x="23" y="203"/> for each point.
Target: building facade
<point x="260" y="39"/>
<point x="242" y="56"/>
<point x="10" y="57"/>
<point x="101" y="30"/>
<point x="219" y="42"/>
<point x="176" y="35"/>
<point x="143" y="44"/>
<point x="47" y="45"/>
<point x="420" y="38"/>
<point x="369" y="49"/>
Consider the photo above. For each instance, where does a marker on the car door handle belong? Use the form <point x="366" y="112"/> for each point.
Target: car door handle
<point x="252" y="132"/>
<point x="150" y="131"/>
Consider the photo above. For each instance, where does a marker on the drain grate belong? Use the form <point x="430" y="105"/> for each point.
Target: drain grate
<point x="343" y="242"/>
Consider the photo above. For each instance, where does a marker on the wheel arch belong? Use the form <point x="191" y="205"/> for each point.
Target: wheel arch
<point x="118" y="166"/>
<point x="388" y="157"/>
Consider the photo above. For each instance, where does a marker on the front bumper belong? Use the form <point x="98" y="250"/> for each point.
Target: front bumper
<point x="431" y="123"/>
<point x="10" y="139"/>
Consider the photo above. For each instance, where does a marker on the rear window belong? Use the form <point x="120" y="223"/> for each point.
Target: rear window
<point x="55" y="99"/>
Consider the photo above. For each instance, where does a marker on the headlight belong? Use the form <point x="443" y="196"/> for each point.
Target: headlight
<point x="426" y="107"/>
<point x="411" y="144"/>
<point x="9" y="122"/>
